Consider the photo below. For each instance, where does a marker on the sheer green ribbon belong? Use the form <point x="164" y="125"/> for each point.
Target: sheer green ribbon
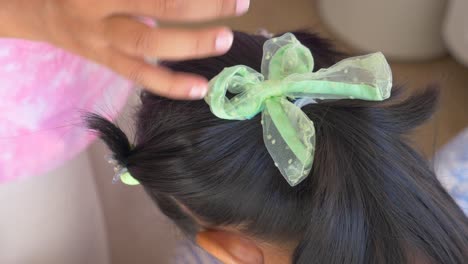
<point x="287" y="75"/>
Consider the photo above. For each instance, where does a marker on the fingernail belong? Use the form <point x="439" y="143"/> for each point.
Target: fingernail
<point x="224" y="41"/>
<point x="148" y="21"/>
<point x="242" y="6"/>
<point x="198" y="91"/>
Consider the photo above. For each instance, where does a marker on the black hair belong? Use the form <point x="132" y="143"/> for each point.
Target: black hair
<point x="370" y="198"/>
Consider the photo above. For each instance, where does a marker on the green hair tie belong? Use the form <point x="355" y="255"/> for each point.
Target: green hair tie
<point x="121" y="173"/>
<point x="287" y="75"/>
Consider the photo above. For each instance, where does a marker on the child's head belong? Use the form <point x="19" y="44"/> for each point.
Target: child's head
<point x="370" y="198"/>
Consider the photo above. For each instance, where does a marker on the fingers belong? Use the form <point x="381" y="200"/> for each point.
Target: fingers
<point x="156" y="79"/>
<point x="183" y="10"/>
<point x="128" y="42"/>
<point x="141" y="40"/>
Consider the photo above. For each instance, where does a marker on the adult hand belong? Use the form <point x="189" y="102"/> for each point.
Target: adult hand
<point x="111" y="33"/>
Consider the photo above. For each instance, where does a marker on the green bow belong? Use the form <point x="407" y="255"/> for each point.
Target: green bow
<point x="287" y="75"/>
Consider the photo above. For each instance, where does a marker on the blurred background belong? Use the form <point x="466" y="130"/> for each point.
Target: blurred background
<point x="75" y="215"/>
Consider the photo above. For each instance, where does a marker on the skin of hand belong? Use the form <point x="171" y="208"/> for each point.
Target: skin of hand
<point x="111" y="33"/>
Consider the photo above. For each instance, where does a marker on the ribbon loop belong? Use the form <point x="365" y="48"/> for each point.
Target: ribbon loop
<point x="288" y="133"/>
<point x="367" y="77"/>
<point x="285" y="56"/>
<point x="240" y="80"/>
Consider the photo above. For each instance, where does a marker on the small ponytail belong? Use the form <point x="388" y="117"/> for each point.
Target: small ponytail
<point x="112" y="135"/>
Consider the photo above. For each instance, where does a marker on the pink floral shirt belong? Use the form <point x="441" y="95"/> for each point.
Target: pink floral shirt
<point x="43" y="92"/>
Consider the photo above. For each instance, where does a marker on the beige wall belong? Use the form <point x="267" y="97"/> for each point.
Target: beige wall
<point x="456" y="30"/>
<point x="53" y="218"/>
<point x="401" y="29"/>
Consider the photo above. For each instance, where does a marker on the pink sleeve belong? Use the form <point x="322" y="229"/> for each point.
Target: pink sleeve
<point x="43" y="91"/>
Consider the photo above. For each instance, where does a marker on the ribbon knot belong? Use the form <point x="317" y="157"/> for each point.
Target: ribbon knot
<point x="286" y="76"/>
